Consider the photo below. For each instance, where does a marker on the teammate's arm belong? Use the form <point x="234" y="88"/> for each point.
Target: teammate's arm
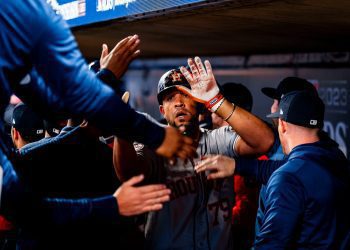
<point x="222" y="166"/>
<point x="128" y="200"/>
<point x="250" y="128"/>
<point x="69" y="86"/>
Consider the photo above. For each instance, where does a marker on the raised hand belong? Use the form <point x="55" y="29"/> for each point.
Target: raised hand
<point x="219" y="166"/>
<point x="176" y="145"/>
<point x="121" y="55"/>
<point x="202" y="81"/>
<point x="137" y="200"/>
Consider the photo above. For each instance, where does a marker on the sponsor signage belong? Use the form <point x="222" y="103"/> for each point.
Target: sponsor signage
<point x="335" y="95"/>
<point x="84" y="12"/>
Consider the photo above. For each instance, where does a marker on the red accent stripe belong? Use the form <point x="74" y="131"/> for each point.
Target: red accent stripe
<point x="209" y="104"/>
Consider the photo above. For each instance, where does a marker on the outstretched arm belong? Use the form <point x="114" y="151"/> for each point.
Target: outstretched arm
<point x="205" y="90"/>
<point x="261" y="170"/>
<point x="63" y="80"/>
<point x="221" y="166"/>
<point x="128" y="200"/>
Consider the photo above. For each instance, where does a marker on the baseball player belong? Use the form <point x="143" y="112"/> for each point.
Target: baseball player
<point x="199" y="213"/>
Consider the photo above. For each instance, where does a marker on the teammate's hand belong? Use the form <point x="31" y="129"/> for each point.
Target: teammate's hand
<point x="219" y="166"/>
<point x="201" y="79"/>
<point x="137" y="200"/>
<point x="120" y="56"/>
<point x="176" y="145"/>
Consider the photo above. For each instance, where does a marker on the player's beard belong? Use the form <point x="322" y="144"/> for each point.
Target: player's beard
<point x="189" y="128"/>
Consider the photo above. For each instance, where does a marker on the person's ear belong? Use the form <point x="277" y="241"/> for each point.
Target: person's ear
<point x="15" y="137"/>
<point x="161" y="109"/>
<point x="283" y="125"/>
<point x="14" y="134"/>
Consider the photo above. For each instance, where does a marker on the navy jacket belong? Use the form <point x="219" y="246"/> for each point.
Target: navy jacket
<point x="38" y="50"/>
<point x="73" y="164"/>
<point x="306" y="200"/>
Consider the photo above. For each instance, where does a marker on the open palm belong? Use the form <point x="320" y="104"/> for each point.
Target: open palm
<point x="201" y="79"/>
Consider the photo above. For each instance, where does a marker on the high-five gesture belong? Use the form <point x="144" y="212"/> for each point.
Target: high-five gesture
<point x="119" y="58"/>
<point x="203" y="85"/>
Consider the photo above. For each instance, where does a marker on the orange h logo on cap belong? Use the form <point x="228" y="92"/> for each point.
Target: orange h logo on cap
<point x="176" y="77"/>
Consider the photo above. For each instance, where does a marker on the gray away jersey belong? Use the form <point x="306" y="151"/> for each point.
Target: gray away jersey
<point x="198" y="215"/>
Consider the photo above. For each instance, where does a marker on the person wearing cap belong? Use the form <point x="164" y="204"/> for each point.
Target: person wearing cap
<point x="50" y="64"/>
<point x="305" y="206"/>
<point x="199" y="215"/>
<point x="261" y="170"/>
<point x="74" y="166"/>
<point x="27" y="126"/>
<point x="287" y="85"/>
<point x="72" y="200"/>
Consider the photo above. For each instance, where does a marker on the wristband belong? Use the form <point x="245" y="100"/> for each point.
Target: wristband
<point x="217" y="105"/>
<point x="211" y="103"/>
<point x="233" y="110"/>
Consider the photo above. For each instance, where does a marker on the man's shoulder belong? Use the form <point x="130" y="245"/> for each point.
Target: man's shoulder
<point x="292" y="167"/>
<point x="33" y="146"/>
<point x="303" y="170"/>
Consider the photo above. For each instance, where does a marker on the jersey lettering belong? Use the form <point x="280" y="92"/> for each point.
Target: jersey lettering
<point x="182" y="187"/>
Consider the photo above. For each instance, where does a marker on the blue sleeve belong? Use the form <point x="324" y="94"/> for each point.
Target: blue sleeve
<point x="20" y="205"/>
<point x="45" y="44"/>
<point x="109" y="78"/>
<point x="101" y="210"/>
<point x="44" y="145"/>
<point x="261" y="170"/>
<point x="14" y="196"/>
<point x="284" y="208"/>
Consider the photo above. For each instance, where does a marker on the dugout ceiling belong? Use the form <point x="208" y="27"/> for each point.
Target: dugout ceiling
<point x="229" y="28"/>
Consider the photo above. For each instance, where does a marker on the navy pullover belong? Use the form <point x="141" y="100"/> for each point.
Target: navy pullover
<point x="307" y="204"/>
<point x="38" y="50"/>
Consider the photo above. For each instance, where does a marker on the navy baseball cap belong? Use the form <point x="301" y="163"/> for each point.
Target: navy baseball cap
<point x="303" y="108"/>
<point x="287" y="85"/>
<point x="170" y="80"/>
<point x="29" y="124"/>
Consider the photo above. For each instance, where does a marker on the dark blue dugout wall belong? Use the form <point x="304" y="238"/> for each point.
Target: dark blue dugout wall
<point x="329" y="73"/>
